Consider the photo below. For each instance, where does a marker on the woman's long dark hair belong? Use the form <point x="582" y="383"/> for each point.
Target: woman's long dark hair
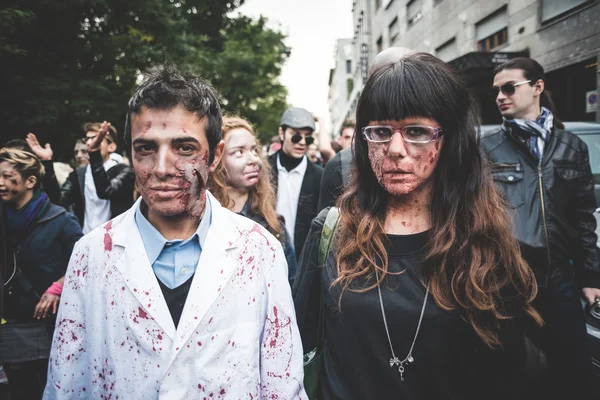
<point x="472" y="254"/>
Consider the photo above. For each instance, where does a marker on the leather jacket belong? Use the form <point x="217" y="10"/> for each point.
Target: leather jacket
<point x="552" y="203"/>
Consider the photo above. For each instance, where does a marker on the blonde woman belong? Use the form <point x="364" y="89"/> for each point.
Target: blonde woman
<point x="241" y="183"/>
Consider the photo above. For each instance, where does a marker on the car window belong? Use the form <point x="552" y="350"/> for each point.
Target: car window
<point x="593" y="143"/>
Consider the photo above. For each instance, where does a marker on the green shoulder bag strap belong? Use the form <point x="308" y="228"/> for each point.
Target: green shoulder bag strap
<point x="313" y="360"/>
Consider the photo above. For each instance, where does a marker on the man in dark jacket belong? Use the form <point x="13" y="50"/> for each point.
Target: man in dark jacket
<point x="296" y="180"/>
<point x="545" y="176"/>
<point x="98" y="192"/>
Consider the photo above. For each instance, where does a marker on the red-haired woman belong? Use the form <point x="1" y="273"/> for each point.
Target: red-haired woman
<point x="242" y="184"/>
<point x="424" y="290"/>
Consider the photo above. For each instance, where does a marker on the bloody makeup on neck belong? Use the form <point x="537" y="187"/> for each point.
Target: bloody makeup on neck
<point x="170" y="155"/>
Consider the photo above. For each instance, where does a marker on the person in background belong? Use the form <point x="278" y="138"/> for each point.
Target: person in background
<point x="42" y="239"/>
<point x="346" y="134"/>
<point x="424" y="292"/>
<point x="313" y="154"/>
<point x="80" y="152"/>
<point x="62" y="170"/>
<point x="98" y="192"/>
<point x="241" y="183"/>
<point x="296" y="179"/>
<point x="274" y="146"/>
<point x="337" y="170"/>
<point x="544" y="173"/>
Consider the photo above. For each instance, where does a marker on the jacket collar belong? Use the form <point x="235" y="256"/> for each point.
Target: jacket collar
<point x="214" y="270"/>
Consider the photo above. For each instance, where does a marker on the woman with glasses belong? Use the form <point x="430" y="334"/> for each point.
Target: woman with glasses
<point x="42" y="238"/>
<point x="241" y="184"/>
<point x="423" y="292"/>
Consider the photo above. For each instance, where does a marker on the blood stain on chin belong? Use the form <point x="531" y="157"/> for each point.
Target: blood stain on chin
<point x="164" y="125"/>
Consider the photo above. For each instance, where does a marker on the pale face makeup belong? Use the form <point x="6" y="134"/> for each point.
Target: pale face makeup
<point x="80" y="152"/>
<point x="403" y="168"/>
<point x="241" y="160"/>
<point x="170" y="156"/>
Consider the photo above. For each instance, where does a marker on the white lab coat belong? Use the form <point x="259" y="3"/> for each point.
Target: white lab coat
<point x="237" y="337"/>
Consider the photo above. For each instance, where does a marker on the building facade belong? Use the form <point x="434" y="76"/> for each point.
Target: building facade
<point x="474" y="36"/>
<point x="341" y="82"/>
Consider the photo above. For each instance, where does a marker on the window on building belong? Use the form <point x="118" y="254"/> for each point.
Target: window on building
<point x="348" y="66"/>
<point x="556" y="8"/>
<point x="380" y="44"/>
<point x="377" y="4"/>
<point x="413" y="12"/>
<point x="447" y="51"/>
<point x="394" y="30"/>
<point x="492" y="32"/>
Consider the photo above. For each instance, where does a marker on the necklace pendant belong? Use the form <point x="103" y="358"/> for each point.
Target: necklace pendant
<point x="401" y="370"/>
<point x="394" y="361"/>
<point x="410" y="359"/>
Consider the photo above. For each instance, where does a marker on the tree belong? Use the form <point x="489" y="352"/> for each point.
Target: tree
<point x="65" y="63"/>
<point x="246" y="72"/>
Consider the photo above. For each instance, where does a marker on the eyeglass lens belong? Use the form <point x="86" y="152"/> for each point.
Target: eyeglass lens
<point x="297" y="138"/>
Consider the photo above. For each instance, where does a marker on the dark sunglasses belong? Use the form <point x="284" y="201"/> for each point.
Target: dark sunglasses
<point x="508" y="89"/>
<point x="297" y="138"/>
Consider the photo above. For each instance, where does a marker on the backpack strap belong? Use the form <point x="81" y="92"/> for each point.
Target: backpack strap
<point x="327" y="234"/>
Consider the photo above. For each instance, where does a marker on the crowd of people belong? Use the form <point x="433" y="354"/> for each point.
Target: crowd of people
<point x="407" y="257"/>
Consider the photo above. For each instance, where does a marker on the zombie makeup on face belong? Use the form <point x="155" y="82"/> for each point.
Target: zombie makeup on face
<point x="13" y="188"/>
<point x="401" y="167"/>
<point x="170" y="160"/>
<point x="241" y="159"/>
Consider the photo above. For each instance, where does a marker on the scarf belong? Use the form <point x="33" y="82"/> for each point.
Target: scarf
<point x="19" y="221"/>
<point x="534" y="134"/>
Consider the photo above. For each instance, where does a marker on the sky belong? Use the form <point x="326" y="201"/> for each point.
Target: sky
<point x="312" y="27"/>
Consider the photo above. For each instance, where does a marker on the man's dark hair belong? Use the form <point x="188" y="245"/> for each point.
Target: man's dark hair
<point x="167" y="87"/>
<point x="18" y="144"/>
<point x="533" y="71"/>
<point x="347" y="124"/>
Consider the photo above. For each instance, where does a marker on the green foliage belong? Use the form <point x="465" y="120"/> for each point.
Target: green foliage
<point x="68" y="62"/>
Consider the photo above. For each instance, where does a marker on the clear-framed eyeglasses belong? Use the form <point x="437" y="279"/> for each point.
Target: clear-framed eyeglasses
<point x="410" y="133"/>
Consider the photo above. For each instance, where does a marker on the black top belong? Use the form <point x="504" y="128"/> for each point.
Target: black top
<point x="175" y="298"/>
<point x="450" y="361"/>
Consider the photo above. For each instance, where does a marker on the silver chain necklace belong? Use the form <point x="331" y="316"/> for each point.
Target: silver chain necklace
<point x="395" y="361"/>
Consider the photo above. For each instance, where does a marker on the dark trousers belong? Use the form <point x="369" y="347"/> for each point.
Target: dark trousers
<point x="563" y="339"/>
<point x="27" y="380"/>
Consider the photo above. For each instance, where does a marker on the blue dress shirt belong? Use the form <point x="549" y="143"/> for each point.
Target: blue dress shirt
<point x="173" y="261"/>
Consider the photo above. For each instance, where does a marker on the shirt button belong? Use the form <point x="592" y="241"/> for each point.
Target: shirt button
<point x="184" y="270"/>
<point x="511" y="178"/>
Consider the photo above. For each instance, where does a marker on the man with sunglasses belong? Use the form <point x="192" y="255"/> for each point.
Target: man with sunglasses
<point x="544" y="173"/>
<point x="97" y="192"/>
<point x="296" y="180"/>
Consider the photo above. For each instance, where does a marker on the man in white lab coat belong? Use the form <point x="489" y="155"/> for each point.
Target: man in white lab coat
<point x="177" y="298"/>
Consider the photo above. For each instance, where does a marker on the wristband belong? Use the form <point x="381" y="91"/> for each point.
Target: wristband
<point x="55" y="289"/>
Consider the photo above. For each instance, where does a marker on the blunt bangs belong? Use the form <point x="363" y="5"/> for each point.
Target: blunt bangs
<point x="416" y="86"/>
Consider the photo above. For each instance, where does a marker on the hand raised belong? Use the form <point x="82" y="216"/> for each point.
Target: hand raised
<point x="43" y="153"/>
<point x="94" y="144"/>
